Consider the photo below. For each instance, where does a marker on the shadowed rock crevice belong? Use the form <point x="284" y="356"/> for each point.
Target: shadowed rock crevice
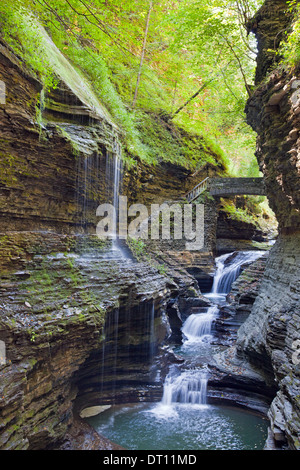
<point x="267" y="337"/>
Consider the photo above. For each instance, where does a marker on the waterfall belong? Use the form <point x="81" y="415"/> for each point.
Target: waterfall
<point x="198" y="325"/>
<point x="189" y="387"/>
<point x="113" y="178"/>
<point x="117" y="179"/>
<point x="227" y="272"/>
<point x="88" y="188"/>
<point x="110" y="351"/>
<point x="96" y="183"/>
<point x="128" y="344"/>
<point x="150" y="317"/>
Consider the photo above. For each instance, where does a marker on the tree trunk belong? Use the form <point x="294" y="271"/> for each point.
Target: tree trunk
<point x="199" y="91"/>
<point x="142" y="55"/>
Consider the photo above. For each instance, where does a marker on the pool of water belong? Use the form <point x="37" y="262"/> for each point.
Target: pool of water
<point x="151" y="426"/>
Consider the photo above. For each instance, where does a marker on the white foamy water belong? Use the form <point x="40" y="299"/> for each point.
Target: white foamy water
<point x="197" y="326"/>
<point x="227" y="273"/>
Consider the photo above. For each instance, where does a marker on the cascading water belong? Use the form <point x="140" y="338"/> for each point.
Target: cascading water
<point x="128" y="341"/>
<point x="183" y="419"/>
<point x="93" y="181"/>
<point x="110" y="351"/>
<point x="227" y="273"/>
<point x="197" y="331"/>
<point x="113" y="178"/>
<point x="88" y="188"/>
<point x="198" y="325"/>
<point x="150" y="327"/>
<point x="189" y="387"/>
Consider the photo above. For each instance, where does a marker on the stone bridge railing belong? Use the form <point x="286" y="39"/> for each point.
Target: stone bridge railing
<point x="227" y="187"/>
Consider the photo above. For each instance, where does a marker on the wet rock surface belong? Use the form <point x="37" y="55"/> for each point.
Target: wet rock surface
<point x="81" y="325"/>
<point x="235" y="381"/>
<point x="270" y="335"/>
<point x="64" y="310"/>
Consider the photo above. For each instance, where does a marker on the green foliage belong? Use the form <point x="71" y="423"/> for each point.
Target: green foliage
<point x="250" y="209"/>
<point x="183" y="146"/>
<point x="189" y="43"/>
<point x="239" y="214"/>
<point x="21" y="32"/>
<point x="97" y="71"/>
<point x="214" y="39"/>
<point x="32" y="335"/>
<point x="161" y="268"/>
<point x="138" y="247"/>
<point x="290" y="47"/>
<point x="204" y="197"/>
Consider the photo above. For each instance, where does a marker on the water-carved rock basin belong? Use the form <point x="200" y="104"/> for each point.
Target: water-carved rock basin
<point x="150" y="426"/>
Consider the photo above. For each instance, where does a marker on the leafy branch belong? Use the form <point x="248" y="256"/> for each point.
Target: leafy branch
<point x="142" y="55"/>
<point x="205" y="85"/>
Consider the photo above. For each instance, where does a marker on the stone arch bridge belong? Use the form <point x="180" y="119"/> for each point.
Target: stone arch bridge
<point x="227" y="187"/>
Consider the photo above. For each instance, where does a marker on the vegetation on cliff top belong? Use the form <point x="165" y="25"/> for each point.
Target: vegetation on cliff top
<point x="194" y="62"/>
<point x="290" y="48"/>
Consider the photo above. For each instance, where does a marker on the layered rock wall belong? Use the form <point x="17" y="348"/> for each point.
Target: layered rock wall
<point x="69" y="314"/>
<point x="70" y="306"/>
<point x="269" y="338"/>
<point x="57" y="157"/>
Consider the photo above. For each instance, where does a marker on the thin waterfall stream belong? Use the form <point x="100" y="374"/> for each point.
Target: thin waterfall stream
<point x="184" y="419"/>
<point x="90" y="173"/>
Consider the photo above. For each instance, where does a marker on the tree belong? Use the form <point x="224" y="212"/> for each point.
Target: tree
<point x="193" y="60"/>
<point x="142" y="54"/>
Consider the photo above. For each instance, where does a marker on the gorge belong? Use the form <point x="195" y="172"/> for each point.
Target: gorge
<point x="91" y="327"/>
<point x="188" y="416"/>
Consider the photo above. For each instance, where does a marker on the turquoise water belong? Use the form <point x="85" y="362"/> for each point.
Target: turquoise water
<point x="181" y="427"/>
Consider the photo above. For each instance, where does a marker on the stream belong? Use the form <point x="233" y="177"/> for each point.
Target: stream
<point x="183" y="419"/>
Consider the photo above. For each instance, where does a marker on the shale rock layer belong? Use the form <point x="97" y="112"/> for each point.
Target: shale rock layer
<point x="270" y="336"/>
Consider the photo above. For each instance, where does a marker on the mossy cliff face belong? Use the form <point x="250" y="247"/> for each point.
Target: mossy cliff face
<point x="269" y="338"/>
<point x="55" y="148"/>
<point x="273" y="112"/>
<point x="58" y="294"/>
<point x="63" y="299"/>
<point x="43" y="166"/>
